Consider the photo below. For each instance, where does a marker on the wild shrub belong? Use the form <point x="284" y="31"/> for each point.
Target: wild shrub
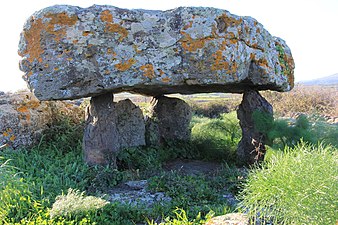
<point x="325" y="132"/>
<point x="280" y="133"/>
<point x="217" y="139"/>
<point x="297" y="187"/>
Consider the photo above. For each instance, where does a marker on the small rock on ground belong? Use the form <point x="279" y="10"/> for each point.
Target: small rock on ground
<point x="229" y="219"/>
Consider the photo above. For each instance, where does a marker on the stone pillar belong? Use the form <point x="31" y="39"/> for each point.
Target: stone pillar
<point x="110" y="127"/>
<point x="169" y="121"/>
<point x="251" y="148"/>
<point x="130" y="124"/>
<point x="100" y="135"/>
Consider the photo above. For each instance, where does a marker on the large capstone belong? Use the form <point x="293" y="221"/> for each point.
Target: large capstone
<point x="110" y="127"/>
<point x="169" y="121"/>
<point x="251" y="148"/>
<point x="70" y="52"/>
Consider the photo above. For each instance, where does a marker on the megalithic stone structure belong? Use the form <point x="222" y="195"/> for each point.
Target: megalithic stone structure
<point x="251" y="148"/>
<point x="70" y="52"/>
<point x="169" y="121"/>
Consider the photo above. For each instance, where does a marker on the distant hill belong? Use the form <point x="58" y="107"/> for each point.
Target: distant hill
<point x="329" y="80"/>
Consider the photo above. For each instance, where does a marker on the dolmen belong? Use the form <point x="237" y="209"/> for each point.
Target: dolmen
<point x="70" y="52"/>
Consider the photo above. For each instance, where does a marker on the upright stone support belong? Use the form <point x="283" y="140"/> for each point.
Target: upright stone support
<point x="169" y="121"/>
<point x="109" y="128"/>
<point x="100" y="135"/>
<point x="251" y="148"/>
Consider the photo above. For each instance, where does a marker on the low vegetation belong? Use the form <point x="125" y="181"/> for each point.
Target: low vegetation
<point x="299" y="186"/>
<point x="297" y="183"/>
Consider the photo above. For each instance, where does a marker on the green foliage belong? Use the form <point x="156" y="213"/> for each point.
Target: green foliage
<point x="179" y="188"/>
<point x="16" y="200"/>
<point x="297" y="187"/>
<point x="217" y="139"/>
<point x="325" y="133"/>
<point x="64" y="134"/>
<point x="32" y="179"/>
<point x="181" y="218"/>
<point x="151" y="159"/>
<point x="280" y="133"/>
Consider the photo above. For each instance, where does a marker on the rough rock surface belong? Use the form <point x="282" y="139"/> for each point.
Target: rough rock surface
<point x="230" y="219"/>
<point x="135" y="193"/>
<point x="70" y="52"/>
<point x="251" y="148"/>
<point x="130" y="124"/>
<point x="169" y="121"/>
<point x="110" y="127"/>
<point x="23" y="118"/>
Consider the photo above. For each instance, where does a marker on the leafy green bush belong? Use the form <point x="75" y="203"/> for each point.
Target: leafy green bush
<point x="280" y="133"/>
<point x="326" y="133"/>
<point x="181" y="218"/>
<point x="217" y="139"/>
<point x="297" y="187"/>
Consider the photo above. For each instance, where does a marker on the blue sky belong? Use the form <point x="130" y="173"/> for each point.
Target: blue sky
<point x="308" y="26"/>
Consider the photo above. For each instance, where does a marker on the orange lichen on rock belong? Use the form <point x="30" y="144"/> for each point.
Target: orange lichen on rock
<point x="106" y="16"/>
<point x="116" y="28"/>
<point x="166" y="79"/>
<point x="187" y="26"/>
<point x="161" y="72"/>
<point x="111" y="52"/>
<point x="123" y="66"/>
<point x="30" y="74"/>
<point x="191" y="45"/>
<point x="148" y="70"/>
<point x="33" y="35"/>
<point x="86" y="33"/>
<point x="12" y="138"/>
<point x="5" y="134"/>
<point x="60" y="19"/>
<point x="112" y="27"/>
<point x="219" y="63"/>
<point x="263" y="62"/>
<point x="233" y="41"/>
<point x="22" y="109"/>
<point x="225" y="21"/>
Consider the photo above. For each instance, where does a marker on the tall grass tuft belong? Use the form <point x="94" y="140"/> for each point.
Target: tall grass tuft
<point x="297" y="187"/>
<point x="75" y="203"/>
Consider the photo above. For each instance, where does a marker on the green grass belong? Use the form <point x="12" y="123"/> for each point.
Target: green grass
<point x="217" y="139"/>
<point x="34" y="182"/>
<point x="299" y="186"/>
